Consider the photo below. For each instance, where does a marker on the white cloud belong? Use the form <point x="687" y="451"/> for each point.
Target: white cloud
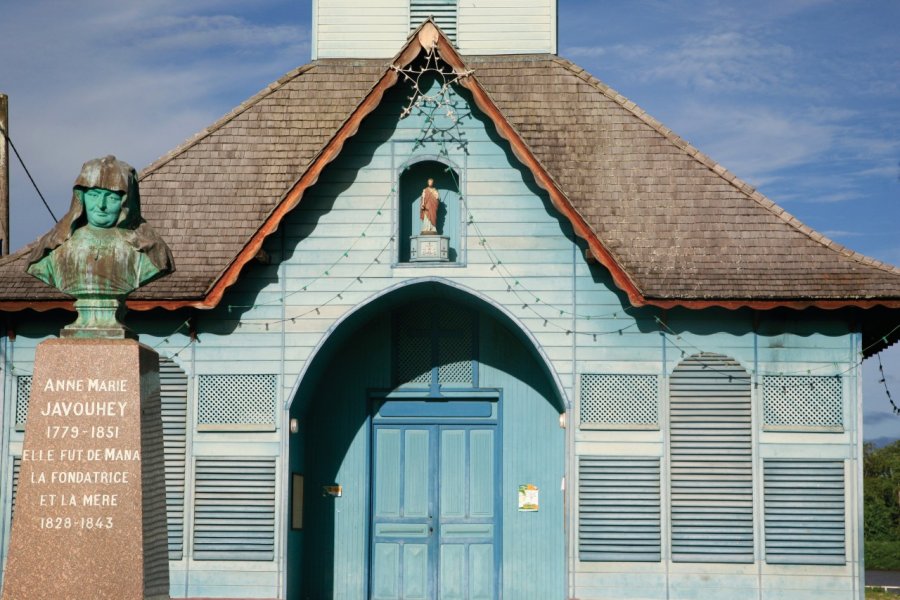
<point x="132" y="79"/>
<point x="723" y="61"/>
<point x="753" y="141"/>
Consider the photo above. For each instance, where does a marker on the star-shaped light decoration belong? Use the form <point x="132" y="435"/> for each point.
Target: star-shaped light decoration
<point x="421" y="77"/>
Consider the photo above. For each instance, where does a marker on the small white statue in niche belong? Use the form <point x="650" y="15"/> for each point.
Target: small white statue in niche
<point x="428" y="209"/>
<point x="429" y="245"/>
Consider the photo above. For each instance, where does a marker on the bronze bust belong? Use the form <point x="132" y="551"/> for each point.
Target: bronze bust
<point x="101" y="250"/>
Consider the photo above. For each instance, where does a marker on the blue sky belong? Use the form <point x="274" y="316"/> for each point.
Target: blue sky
<point x="801" y="98"/>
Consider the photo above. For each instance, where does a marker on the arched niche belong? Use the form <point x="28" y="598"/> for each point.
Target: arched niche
<point x="412" y="178"/>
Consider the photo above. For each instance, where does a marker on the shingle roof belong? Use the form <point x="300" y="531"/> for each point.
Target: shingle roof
<point x="679" y="226"/>
<point x="679" y="223"/>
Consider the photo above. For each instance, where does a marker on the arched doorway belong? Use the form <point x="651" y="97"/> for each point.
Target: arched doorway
<point x="419" y="419"/>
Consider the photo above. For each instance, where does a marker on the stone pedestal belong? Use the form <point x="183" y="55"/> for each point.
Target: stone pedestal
<point x="90" y="514"/>
<point x="429" y="248"/>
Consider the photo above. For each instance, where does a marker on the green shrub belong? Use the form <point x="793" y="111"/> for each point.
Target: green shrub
<point x="882" y="555"/>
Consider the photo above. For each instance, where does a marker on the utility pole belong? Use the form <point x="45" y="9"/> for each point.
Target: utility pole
<point x="4" y="175"/>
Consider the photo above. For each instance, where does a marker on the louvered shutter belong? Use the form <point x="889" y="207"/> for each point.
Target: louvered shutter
<point x="17" y="468"/>
<point x="442" y="11"/>
<point x="805" y="512"/>
<point x="234" y="509"/>
<point x="173" y="397"/>
<point x="618" y="509"/>
<point x="711" y="462"/>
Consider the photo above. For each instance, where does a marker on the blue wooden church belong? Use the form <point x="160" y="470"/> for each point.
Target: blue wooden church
<point x="614" y="370"/>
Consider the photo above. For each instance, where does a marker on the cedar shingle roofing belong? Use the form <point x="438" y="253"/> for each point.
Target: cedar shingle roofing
<point x="674" y="227"/>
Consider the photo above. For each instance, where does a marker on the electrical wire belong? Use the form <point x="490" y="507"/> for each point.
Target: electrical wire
<point x="27" y="172"/>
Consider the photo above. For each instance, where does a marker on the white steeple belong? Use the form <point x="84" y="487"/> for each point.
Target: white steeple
<point x="378" y="28"/>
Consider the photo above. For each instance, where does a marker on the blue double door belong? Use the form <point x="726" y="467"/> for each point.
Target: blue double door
<point x="435" y="523"/>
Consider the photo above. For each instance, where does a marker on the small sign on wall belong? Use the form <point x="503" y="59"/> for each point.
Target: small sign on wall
<point x="528" y="498"/>
<point x="335" y="491"/>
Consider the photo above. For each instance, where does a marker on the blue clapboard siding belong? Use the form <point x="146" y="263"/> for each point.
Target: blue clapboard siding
<point x="533" y="451"/>
<point x="234" y="509"/>
<point x="619" y="509"/>
<point x="804" y="508"/>
<point x="711" y="461"/>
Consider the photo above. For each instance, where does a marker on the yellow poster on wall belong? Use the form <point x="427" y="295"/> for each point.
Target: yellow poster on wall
<point x="528" y="498"/>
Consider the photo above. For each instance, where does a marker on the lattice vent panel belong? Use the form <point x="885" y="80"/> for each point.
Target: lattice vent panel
<point x="444" y="13"/>
<point x="455" y="346"/>
<point x="414" y="359"/>
<point x="807" y="402"/>
<point x="435" y="332"/>
<point x="234" y="509"/>
<point x="23" y="397"/>
<point x="236" y="401"/>
<point x="619" y="400"/>
<point x="413" y="353"/>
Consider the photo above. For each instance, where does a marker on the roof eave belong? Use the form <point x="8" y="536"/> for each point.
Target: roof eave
<point x="10" y="306"/>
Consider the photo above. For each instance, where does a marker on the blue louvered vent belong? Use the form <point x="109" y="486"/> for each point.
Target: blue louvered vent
<point x="805" y="512"/>
<point x="17" y="468"/>
<point x="234" y="509"/>
<point x="442" y="11"/>
<point x="173" y="397"/>
<point x="23" y="397"/>
<point x="711" y="464"/>
<point x="618" y="509"/>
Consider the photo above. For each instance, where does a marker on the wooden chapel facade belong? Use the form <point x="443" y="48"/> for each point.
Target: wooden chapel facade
<point x="630" y="376"/>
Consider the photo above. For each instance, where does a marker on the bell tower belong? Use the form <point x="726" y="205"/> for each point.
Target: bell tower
<point x="378" y="28"/>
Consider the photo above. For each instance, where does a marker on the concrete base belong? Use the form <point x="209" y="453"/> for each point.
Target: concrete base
<point x="90" y="514"/>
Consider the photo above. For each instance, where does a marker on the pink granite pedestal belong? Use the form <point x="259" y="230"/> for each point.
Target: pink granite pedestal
<point x="90" y="513"/>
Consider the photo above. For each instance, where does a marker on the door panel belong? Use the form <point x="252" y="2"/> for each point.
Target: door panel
<point x="481" y="473"/>
<point x="481" y="573"/>
<point x="416" y="483"/>
<point x="467" y="525"/>
<point x="387" y="473"/>
<point x="415" y="571"/>
<point x="453" y="473"/>
<point x="428" y="470"/>
<point x="402" y="524"/>
<point x="386" y="566"/>
<point x="453" y="571"/>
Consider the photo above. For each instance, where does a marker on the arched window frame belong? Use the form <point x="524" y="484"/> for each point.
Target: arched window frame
<point x="460" y="168"/>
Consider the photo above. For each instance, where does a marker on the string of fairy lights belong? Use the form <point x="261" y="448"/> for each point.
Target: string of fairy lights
<point x="883" y="381"/>
<point x="443" y="114"/>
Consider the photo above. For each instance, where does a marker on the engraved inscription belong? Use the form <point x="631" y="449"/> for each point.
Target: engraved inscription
<point x="81" y="476"/>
